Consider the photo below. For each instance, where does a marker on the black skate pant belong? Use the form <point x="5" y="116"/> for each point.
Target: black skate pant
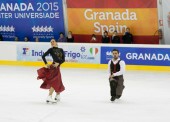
<point x="117" y="86"/>
<point x="113" y="86"/>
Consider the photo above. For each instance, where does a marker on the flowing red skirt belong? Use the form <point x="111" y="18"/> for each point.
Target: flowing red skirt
<point x="51" y="78"/>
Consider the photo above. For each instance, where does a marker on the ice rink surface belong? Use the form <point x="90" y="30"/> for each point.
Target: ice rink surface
<point x="146" y="97"/>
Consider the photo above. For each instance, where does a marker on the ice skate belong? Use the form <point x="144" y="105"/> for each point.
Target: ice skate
<point x="57" y="97"/>
<point x="50" y="100"/>
<point x="118" y="96"/>
<point x="112" y="98"/>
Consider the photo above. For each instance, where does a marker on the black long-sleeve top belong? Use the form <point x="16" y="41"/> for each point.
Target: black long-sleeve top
<point x="105" y="39"/>
<point x="127" y="38"/>
<point x="115" y="39"/>
<point x="70" y="39"/>
<point x="56" y="53"/>
<point x="1" y="38"/>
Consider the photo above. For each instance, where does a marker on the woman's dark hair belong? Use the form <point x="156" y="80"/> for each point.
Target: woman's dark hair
<point x="54" y="39"/>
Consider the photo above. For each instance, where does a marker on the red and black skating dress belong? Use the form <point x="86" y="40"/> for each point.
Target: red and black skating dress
<point x="52" y="76"/>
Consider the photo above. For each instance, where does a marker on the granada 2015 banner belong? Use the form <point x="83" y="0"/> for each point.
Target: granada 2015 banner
<point x="31" y="18"/>
<point x="96" y="16"/>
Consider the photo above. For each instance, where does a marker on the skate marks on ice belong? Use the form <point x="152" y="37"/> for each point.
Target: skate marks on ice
<point x="86" y="98"/>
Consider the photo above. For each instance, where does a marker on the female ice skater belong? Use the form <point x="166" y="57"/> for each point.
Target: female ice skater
<point x="51" y="73"/>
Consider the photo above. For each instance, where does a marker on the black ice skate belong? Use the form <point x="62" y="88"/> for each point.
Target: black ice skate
<point x="112" y="98"/>
<point x="118" y="96"/>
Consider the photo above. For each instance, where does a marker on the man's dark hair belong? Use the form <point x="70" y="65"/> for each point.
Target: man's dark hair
<point x="115" y="50"/>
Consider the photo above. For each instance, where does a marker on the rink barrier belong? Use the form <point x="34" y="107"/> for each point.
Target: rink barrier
<point x="86" y="55"/>
<point x="82" y="65"/>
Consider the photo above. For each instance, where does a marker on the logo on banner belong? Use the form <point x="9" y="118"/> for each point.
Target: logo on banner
<point x="106" y="54"/>
<point x="43" y="32"/>
<point x="109" y="55"/>
<point x="91" y="54"/>
<point x="7" y="31"/>
<point x="32" y="52"/>
<point x="94" y="51"/>
<point x="83" y="49"/>
<point x="82" y="54"/>
<point x="26" y="51"/>
<point x="42" y="29"/>
<point x="71" y="54"/>
<point x="7" y="28"/>
<point x="148" y="56"/>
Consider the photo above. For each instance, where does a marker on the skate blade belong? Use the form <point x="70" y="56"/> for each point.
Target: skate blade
<point x="49" y="102"/>
<point x="57" y="100"/>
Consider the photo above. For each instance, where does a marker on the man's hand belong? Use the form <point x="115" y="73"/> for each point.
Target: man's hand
<point x="112" y="75"/>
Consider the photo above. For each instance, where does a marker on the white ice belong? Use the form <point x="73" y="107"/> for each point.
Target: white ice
<point x="146" y="97"/>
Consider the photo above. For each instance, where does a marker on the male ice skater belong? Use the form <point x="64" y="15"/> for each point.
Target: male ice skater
<point x="116" y="69"/>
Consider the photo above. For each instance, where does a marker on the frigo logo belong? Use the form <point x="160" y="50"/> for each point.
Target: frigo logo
<point x="71" y="54"/>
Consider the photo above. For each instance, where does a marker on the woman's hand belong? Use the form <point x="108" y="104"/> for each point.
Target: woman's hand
<point x="56" y="64"/>
<point x="48" y="66"/>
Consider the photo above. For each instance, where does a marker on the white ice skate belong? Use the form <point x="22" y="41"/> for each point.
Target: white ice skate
<point x="57" y="98"/>
<point x="50" y="100"/>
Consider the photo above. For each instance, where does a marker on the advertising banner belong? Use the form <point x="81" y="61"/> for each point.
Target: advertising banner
<point x="28" y="52"/>
<point x="82" y="54"/>
<point x="73" y="53"/>
<point x="138" y="56"/>
<point x="94" y="17"/>
<point x="41" y="19"/>
<point x="166" y="20"/>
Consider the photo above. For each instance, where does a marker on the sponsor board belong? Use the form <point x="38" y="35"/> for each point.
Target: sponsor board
<point x="138" y="56"/>
<point x="73" y="53"/>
